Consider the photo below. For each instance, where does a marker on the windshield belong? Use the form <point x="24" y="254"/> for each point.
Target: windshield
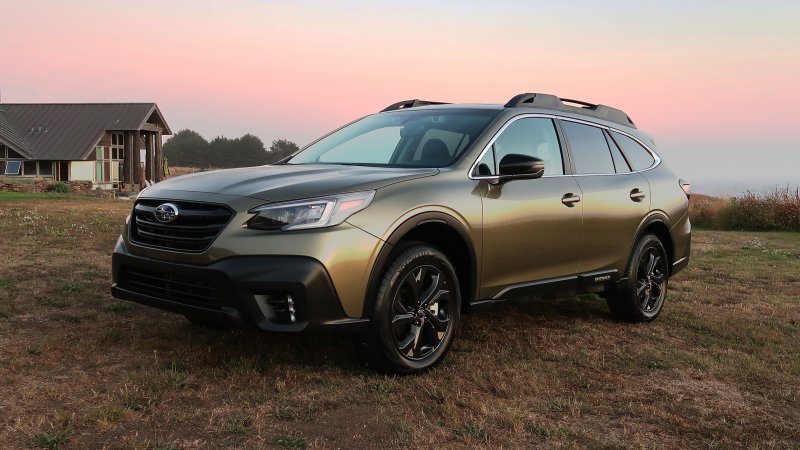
<point x="421" y="138"/>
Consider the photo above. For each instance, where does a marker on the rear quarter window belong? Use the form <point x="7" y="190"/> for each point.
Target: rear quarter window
<point x="638" y="157"/>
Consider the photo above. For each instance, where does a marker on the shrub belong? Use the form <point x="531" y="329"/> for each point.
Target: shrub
<point x="775" y="210"/>
<point x="60" y="187"/>
<point x="705" y="211"/>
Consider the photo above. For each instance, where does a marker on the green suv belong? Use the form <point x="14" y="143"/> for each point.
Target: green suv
<point x="395" y="225"/>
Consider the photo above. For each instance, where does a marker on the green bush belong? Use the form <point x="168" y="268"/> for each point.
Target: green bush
<point x="60" y="187"/>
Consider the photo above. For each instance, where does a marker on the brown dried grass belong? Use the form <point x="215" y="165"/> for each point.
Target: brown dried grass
<point x="720" y="368"/>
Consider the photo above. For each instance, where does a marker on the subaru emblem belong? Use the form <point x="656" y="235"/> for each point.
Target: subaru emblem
<point x="166" y="212"/>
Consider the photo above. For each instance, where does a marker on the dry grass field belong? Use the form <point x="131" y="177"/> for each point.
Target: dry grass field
<point x="719" y="369"/>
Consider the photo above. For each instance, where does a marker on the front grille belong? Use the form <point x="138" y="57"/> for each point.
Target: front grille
<point x="167" y="286"/>
<point x="193" y="230"/>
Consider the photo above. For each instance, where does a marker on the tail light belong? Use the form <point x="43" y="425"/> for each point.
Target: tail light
<point x="686" y="186"/>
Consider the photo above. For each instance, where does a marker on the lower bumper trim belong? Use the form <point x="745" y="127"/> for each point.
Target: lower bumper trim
<point x="225" y="292"/>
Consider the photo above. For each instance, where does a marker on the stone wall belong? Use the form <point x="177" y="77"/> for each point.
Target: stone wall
<point x="42" y="185"/>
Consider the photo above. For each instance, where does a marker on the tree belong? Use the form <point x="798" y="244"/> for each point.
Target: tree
<point x="251" y="151"/>
<point x="280" y="149"/>
<point x="186" y="148"/>
<point x="219" y="154"/>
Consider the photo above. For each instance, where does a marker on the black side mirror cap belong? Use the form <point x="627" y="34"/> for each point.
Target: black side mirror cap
<point x="515" y="165"/>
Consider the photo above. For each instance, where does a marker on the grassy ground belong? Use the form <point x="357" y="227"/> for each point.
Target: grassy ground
<point x="25" y="196"/>
<point x="719" y="369"/>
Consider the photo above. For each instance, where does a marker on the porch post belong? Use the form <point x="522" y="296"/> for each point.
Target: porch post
<point x="136" y="177"/>
<point x="159" y="165"/>
<point x="127" y="161"/>
<point x="148" y="150"/>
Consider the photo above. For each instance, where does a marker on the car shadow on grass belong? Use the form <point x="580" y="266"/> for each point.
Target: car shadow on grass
<point x="223" y="350"/>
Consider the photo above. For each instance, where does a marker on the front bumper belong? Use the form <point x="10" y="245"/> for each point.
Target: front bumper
<point x="232" y="291"/>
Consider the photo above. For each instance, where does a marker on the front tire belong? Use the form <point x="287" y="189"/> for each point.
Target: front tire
<point x="417" y="312"/>
<point x="642" y="295"/>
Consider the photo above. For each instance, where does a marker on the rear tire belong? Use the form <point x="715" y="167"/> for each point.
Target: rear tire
<point x="416" y="315"/>
<point x="641" y="297"/>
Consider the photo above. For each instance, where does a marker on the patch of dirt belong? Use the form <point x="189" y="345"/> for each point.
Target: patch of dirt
<point x="350" y="426"/>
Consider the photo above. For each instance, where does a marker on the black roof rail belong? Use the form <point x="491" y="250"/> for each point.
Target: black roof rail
<point x="566" y="104"/>
<point x="545" y="100"/>
<point x="405" y="104"/>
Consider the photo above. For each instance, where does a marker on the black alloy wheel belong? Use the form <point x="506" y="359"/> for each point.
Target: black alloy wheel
<point x="416" y="313"/>
<point x="641" y="295"/>
<point x="651" y="279"/>
<point x="419" y="314"/>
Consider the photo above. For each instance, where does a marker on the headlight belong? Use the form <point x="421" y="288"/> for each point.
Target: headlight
<point x="311" y="213"/>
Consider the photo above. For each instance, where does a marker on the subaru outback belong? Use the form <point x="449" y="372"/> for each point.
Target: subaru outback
<point x="393" y="226"/>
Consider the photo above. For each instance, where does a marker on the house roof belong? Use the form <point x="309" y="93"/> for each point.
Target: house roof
<point x="69" y="131"/>
<point x="11" y="137"/>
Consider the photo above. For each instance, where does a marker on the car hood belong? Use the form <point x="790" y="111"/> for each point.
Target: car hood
<point x="289" y="182"/>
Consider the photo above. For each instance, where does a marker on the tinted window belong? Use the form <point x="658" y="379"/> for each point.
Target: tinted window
<point x="637" y="156"/>
<point x="535" y="137"/>
<point x="589" y="148"/>
<point x="619" y="161"/>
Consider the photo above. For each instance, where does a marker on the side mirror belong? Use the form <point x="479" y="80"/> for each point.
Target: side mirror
<point x="516" y="166"/>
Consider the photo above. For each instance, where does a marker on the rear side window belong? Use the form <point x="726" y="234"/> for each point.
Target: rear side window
<point x="589" y="148"/>
<point x="637" y="156"/>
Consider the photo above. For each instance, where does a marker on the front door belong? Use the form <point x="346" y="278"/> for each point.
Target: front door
<point x="63" y="171"/>
<point x="531" y="228"/>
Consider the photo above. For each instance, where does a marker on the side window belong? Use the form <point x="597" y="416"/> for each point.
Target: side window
<point x="619" y="161"/>
<point x="589" y="148"/>
<point x="534" y="137"/>
<point x="637" y="155"/>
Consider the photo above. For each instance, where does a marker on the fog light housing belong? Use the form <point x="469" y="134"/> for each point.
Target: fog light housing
<point x="278" y="308"/>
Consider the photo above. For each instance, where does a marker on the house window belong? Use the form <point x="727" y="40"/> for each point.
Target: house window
<point x="12" y="167"/>
<point x="29" y="168"/>
<point x="46" y="168"/>
<point x="117" y="156"/>
<point x="11" y="162"/>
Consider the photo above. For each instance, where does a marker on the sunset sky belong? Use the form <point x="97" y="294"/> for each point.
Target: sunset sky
<point x="716" y="83"/>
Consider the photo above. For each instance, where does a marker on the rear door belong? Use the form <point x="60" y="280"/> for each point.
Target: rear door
<point x="615" y="199"/>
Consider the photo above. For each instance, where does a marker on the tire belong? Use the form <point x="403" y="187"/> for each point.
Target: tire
<point x="416" y="314"/>
<point x="641" y="298"/>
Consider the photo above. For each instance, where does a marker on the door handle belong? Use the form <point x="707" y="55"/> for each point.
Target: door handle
<point x="570" y="199"/>
<point x="637" y="195"/>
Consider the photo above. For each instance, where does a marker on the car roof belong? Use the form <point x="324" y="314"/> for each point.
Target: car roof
<point x="529" y="101"/>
